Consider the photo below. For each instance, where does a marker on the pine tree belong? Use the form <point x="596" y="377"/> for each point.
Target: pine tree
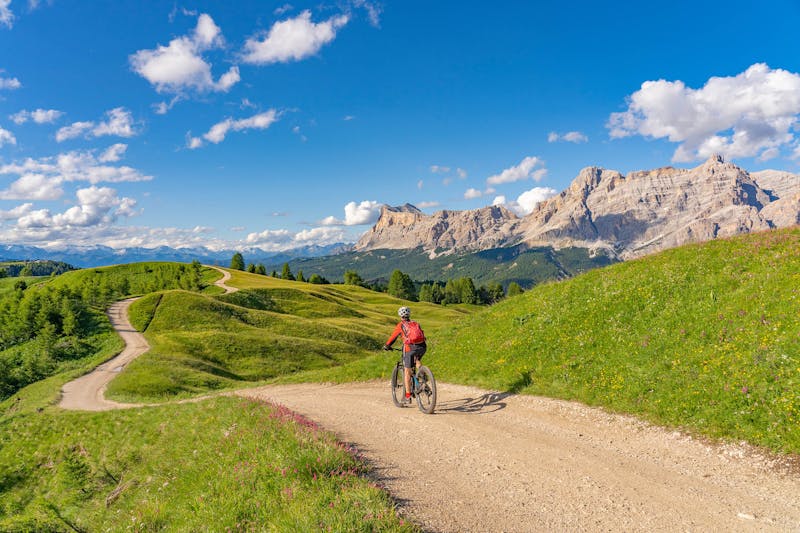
<point x="251" y="268"/>
<point x="300" y="276"/>
<point x="401" y="286"/>
<point x="261" y="269"/>
<point x="287" y="274"/>
<point x="513" y="289"/>
<point x="237" y="261"/>
<point x="351" y="277"/>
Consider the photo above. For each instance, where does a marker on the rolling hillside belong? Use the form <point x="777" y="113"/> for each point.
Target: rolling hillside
<point x="271" y="328"/>
<point x="705" y="337"/>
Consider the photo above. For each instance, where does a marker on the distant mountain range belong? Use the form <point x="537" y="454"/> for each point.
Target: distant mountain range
<point x="624" y="216"/>
<point x="602" y="217"/>
<point x="103" y="255"/>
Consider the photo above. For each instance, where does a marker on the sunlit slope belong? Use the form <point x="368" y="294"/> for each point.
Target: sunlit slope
<point x="704" y="336"/>
<point x="271" y="328"/>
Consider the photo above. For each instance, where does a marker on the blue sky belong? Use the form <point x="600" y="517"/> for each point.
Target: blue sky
<point x="275" y="124"/>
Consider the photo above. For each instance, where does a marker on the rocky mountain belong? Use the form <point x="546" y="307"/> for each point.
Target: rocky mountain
<point x="405" y="227"/>
<point x="624" y="216"/>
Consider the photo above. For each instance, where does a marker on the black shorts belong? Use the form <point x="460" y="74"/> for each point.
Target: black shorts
<point x="413" y="353"/>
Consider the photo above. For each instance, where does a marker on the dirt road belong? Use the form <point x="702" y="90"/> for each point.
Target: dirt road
<point x="495" y="462"/>
<point x="222" y="282"/>
<point x="87" y="393"/>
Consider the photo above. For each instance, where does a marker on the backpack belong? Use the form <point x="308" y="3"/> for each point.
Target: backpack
<point x="412" y="333"/>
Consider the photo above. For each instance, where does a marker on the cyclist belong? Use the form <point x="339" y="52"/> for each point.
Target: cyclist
<point x="414" y="346"/>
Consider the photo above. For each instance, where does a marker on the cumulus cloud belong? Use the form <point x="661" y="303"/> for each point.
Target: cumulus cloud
<point x="292" y="39"/>
<point x="745" y="115"/>
<point x="220" y="130"/>
<point x="571" y="137"/>
<point x="525" y="202"/>
<point x="528" y="168"/>
<point x="119" y="122"/>
<point x="42" y="179"/>
<point x="113" y="153"/>
<point x="356" y="214"/>
<point x="462" y="174"/>
<point x="6" y="137"/>
<point x="180" y="66"/>
<point x="6" y="16"/>
<point x="426" y="205"/>
<point x="439" y="169"/>
<point x="15" y="213"/>
<point x="472" y="193"/>
<point x="39" y="116"/>
<point x="282" y="9"/>
<point x="283" y="239"/>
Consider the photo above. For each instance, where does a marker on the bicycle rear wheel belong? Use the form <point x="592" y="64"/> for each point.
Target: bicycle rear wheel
<point x="426" y="391"/>
<point x="398" y="385"/>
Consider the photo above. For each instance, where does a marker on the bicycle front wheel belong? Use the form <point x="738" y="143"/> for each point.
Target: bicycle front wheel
<point x="426" y="391"/>
<point x="398" y="386"/>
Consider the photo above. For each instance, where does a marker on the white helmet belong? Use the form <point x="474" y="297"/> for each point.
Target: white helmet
<point x="404" y="312"/>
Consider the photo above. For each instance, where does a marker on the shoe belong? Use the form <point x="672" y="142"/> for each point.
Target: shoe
<point x="407" y="400"/>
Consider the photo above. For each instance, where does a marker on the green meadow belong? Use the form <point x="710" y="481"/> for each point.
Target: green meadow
<point x="270" y="329"/>
<point x="703" y="337"/>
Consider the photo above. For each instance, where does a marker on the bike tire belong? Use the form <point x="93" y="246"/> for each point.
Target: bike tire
<point x="426" y="392"/>
<point x="398" y="386"/>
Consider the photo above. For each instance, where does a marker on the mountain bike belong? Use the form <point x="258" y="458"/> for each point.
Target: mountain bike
<point x="423" y="386"/>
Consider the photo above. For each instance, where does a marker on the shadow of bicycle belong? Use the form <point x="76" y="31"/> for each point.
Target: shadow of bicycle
<point x="484" y="404"/>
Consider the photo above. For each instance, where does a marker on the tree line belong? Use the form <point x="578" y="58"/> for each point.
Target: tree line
<point x="454" y="291"/>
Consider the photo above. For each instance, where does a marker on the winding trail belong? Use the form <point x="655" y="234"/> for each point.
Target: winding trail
<point x="489" y="462"/>
<point x="87" y="393"/>
<point x="222" y="283"/>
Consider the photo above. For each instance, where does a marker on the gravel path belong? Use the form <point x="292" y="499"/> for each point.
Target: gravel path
<point x="87" y="393"/>
<point x="495" y="462"/>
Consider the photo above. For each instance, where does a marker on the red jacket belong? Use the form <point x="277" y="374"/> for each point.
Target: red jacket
<point x="398" y="330"/>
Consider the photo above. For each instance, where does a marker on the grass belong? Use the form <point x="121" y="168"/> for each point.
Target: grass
<point x="220" y="465"/>
<point x="270" y="329"/>
<point x="703" y="337"/>
<point x="7" y="284"/>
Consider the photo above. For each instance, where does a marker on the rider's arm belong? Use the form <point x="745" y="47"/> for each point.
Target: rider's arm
<point x="396" y="333"/>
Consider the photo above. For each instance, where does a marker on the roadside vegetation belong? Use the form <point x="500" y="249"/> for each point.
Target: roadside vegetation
<point x="221" y="465"/>
<point x="703" y="337"/>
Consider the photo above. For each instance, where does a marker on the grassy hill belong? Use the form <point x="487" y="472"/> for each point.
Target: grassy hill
<point x="271" y="328"/>
<point x="222" y="464"/>
<point x="705" y="337"/>
<point x="527" y="267"/>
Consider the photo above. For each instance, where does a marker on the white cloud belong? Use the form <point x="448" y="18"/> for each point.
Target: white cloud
<point x="426" y="205"/>
<point x="6" y="137"/>
<point x="76" y="129"/>
<point x="42" y="179"/>
<point x="420" y="184"/>
<point x="282" y="9"/>
<point x="9" y="83"/>
<point x="438" y="169"/>
<point x="96" y="206"/>
<point x="180" y="66"/>
<point x="527" y="201"/>
<point x="219" y="130"/>
<point x="461" y="173"/>
<point x="292" y="39"/>
<point x="356" y="214"/>
<point x="571" y="136"/>
<point x="15" y="213"/>
<point x="39" y="116"/>
<point x="319" y="236"/>
<point x="113" y="153"/>
<point x="348" y="118"/>
<point x="526" y="169"/>
<point x="6" y="16"/>
<point x="119" y="122"/>
<point x="472" y="193"/>
<point x="736" y="116"/>
<point x="33" y="187"/>
<point x="373" y="11"/>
